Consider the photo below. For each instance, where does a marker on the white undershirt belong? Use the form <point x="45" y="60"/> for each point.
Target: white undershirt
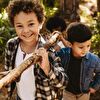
<point x="26" y="85"/>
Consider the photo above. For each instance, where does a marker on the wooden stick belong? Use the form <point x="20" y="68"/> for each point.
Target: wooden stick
<point x="17" y="71"/>
<point x="4" y="73"/>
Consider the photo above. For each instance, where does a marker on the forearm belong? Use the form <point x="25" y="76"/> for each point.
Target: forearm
<point x="96" y="82"/>
<point x="57" y="77"/>
<point x="65" y="42"/>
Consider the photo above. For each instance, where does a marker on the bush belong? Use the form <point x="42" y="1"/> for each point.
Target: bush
<point x="96" y="35"/>
<point x="6" y="31"/>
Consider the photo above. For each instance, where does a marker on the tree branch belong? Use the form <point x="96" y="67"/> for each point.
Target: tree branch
<point x="12" y="75"/>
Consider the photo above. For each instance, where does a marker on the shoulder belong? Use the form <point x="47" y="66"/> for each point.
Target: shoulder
<point x="93" y="57"/>
<point x="63" y="51"/>
<point x="11" y="43"/>
<point x="13" y="40"/>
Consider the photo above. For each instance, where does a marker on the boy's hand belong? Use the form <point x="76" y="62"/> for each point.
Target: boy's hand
<point x="60" y="37"/>
<point x="91" y="90"/>
<point x="44" y="63"/>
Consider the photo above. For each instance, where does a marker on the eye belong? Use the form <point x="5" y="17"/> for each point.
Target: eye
<point x="31" y="24"/>
<point x="88" y="46"/>
<point x="19" y="26"/>
<point x="81" y="47"/>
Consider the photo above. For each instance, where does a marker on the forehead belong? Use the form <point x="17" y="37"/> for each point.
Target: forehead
<point x="25" y="17"/>
<point x="88" y="42"/>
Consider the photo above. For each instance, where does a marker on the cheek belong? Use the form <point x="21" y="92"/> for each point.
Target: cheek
<point x="78" y="51"/>
<point x="75" y="50"/>
<point x="36" y="30"/>
<point x="18" y="31"/>
<point x="89" y="48"/>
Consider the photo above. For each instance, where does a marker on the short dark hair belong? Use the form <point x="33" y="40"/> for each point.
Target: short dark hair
<point x="16" y="6"/>
<point x="55" y="23"/>
<point x="78" y="32"/>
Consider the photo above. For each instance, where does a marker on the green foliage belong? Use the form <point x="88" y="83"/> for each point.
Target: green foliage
<point x="50" y="11"/>
<point x="6" y="32"/>
<point x="3" y="4"/>
<point x="96" y="35"/>
<point x="50" y="7"/>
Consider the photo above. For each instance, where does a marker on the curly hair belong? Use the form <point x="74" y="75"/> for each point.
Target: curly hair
<point x="27" y="6"/>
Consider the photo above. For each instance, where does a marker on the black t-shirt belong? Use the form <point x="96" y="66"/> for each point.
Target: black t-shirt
<point x="73" y="72"/>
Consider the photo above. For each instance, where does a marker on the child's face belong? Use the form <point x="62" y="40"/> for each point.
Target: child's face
<point x="27" y="26"/>
<point x="80" y="49"/>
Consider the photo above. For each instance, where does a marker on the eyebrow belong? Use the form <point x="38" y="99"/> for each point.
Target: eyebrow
<point x="28" y="22"/>
<point x="17" y="23"/>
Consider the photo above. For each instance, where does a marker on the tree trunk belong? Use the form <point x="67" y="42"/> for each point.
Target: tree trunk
<point x="68" y="9"/>
<point x="98" y="5"/>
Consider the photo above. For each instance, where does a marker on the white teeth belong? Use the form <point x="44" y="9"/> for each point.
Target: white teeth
<point x="27" y="36"/>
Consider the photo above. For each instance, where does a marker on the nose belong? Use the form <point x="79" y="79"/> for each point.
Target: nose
<point x="25" y="29"/>
<point x="85" y="50"/>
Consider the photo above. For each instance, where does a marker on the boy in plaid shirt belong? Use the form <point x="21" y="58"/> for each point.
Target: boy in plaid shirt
<point x="42" y="81"/>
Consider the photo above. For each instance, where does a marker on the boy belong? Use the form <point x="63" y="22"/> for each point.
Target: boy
<point x="79" y="64"/>
<point x="58" y="24"/>
<point x="42" y="81"/>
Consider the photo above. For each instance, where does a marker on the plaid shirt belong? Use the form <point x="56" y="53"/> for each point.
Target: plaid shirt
<point x="47" y="87"/>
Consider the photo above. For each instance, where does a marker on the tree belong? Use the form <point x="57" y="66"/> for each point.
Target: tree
<point x="3" y="4"/>
<point x="98" y="5"/>
<point x="68" y="9"/>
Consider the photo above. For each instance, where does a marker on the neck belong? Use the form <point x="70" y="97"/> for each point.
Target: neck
<point x="28" y="47"/>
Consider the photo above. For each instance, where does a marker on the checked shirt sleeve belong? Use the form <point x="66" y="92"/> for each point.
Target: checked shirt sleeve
<point x="56" y="75"/>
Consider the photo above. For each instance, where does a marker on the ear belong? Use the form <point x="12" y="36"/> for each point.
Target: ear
<point x="40" y="26"/>
<point x="69" y="44"/>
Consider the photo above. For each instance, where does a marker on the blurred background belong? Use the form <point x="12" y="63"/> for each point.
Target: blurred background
<point x="86" y="11"/>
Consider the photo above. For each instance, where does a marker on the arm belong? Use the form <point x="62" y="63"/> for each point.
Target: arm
<point x="96" y="82"/>
<point x="53" y="70"/>
<point x="65" y="42"/>
<point x="57" y="76"/>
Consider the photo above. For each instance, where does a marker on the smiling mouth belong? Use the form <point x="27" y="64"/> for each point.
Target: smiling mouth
<point x="27" y="36"/>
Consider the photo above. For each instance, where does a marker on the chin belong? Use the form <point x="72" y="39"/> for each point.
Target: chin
<point x="82" y="55"/>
